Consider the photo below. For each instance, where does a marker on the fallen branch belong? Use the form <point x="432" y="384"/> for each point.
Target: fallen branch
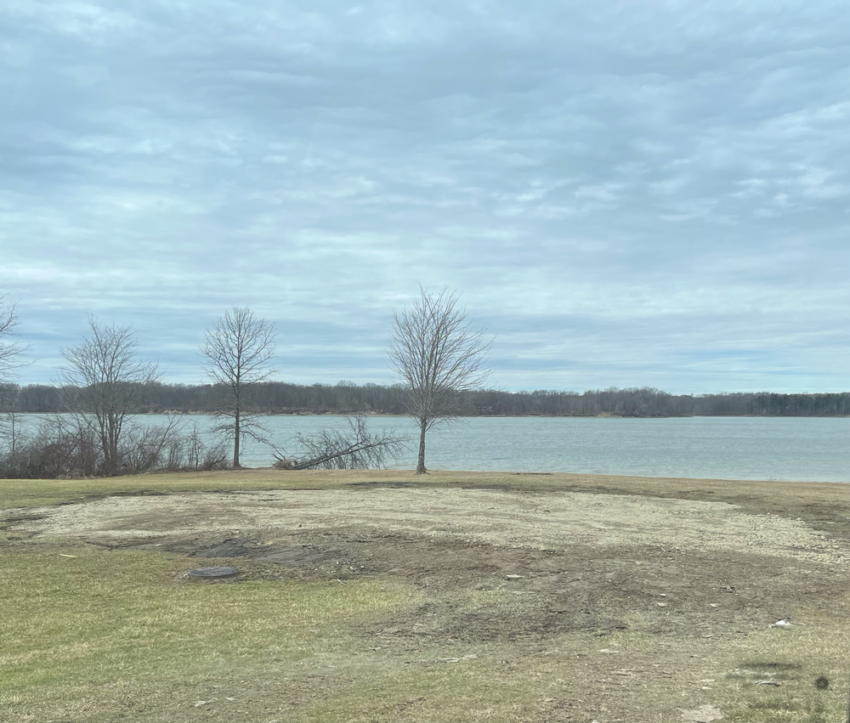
<point x="355" y="448"/>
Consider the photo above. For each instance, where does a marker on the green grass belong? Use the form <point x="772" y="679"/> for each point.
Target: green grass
<point x="76" y="629"/>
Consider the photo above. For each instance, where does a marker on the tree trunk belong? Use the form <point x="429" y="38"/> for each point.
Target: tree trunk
<point x="237" y="433"/>
<point x="420" y="464"/>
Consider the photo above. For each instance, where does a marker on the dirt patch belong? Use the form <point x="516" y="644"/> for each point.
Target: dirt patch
<point x="479" y="592"/>
<point x="542" y="521"/>
<point x="304" y="555"/>
<point x="496" y="565"/>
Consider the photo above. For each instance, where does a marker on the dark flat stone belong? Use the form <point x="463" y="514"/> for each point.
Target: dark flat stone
<point x="211" y="573"/>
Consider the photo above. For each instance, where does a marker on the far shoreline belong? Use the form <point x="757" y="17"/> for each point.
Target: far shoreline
<point x="602" y="415"/>
<point x="389" y="415"/>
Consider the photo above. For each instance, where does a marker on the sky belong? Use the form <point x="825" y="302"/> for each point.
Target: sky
<point x="624" y="193"/>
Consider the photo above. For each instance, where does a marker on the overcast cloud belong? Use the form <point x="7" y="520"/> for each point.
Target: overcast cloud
<point x="625" y="193"/>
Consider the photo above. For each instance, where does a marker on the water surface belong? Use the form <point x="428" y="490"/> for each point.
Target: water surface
<point x="780" y="448"/>
<point x="768" y="448"/>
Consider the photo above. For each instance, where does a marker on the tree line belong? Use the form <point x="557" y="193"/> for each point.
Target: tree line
<point x="345" y="397"/>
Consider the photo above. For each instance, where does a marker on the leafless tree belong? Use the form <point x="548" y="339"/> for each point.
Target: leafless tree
<point x="356" y="448"/>
<point x="436" y="356"/>
<point x="12" y="432"/>
<point x="103" y="385"/>
<point x="238" y="349"/>
<point x="10" y="350"/>
<point x="191" y="452"/>
<point x="10" y="360"/>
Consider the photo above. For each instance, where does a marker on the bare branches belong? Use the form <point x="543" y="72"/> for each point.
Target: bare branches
<point x="238" y="349"/>
<point x="358" y="448"/>
<point x="436" y="355"/>
<point x="66" y="448"/>
<point x="107" y="359"/>
<point x="10" y="351"/>
<point x="104" y="383"/>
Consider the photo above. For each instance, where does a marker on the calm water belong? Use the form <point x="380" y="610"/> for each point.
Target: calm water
<point x="807" y="449"/>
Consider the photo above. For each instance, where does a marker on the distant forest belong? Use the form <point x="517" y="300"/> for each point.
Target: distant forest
<point x="348" y="397"/>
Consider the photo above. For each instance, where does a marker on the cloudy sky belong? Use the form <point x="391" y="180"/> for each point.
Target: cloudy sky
<point x="624" y="193"/>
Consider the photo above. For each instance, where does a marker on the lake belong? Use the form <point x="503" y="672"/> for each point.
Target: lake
<point x="770" y="448"/>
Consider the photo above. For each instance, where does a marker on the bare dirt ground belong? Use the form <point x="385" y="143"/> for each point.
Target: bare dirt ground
<point x="567" y="560"/>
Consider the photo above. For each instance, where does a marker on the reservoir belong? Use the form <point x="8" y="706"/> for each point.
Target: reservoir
<point x="766" y="448"/>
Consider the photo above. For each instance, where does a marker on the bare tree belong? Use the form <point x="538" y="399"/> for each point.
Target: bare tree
<point x="12" y="431"/>
<point x="10" y="353"/>
<point x="104" y="384"/>
<point x="238" y="349"/>
<point x="10" y="350"/>
<point x="356" y="448"/>
<point x="436" y="356"/>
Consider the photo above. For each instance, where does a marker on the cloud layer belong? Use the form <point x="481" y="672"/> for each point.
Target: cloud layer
<point x="628" y="194"/>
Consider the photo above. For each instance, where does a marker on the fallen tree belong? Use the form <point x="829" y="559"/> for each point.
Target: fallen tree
<point x="354" y="448"/>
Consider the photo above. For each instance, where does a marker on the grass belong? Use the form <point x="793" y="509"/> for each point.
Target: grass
<point x="796" y="662"/>
<point x="97" y="635"/>
<point x="779" y="497"/>
<point x="35" y="493"/>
